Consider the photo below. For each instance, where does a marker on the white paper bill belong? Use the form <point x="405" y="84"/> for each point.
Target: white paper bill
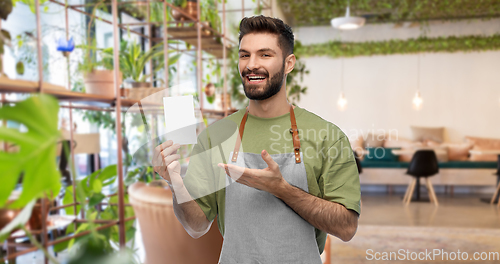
<point x="180" y="119"/>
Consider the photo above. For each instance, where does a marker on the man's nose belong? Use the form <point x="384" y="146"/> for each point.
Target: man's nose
<point x="253" y="63"/>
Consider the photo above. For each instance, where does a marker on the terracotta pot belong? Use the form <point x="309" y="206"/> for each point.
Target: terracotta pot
<point x="35" y="221"/>
<point x="7" y="215"/>
<point x="204" y="31"/>
<point x="210" y="89"/>
<point x="141" y="85"/>
<point x="100" y="82"/>
<point x="190" y="8"/>
<point x="176" y="15"/>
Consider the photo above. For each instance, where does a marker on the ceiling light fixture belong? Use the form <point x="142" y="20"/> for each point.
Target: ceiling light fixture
<point x="342" y="102"/>
<point x="348" y="22"/>
<point x="417" y="100"/>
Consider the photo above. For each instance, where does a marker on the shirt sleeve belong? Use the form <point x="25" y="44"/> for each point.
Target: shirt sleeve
<point x="339" y="180"/>
<point x="199" y="179"/>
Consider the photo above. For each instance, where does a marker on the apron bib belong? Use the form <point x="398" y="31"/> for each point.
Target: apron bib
<point x="260" y="228"/>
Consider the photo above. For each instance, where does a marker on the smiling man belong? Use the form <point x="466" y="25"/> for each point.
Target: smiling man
<point x="283" y="182"/>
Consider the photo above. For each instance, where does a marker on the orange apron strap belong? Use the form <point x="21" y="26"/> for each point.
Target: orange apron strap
<point x="295" y="135"/>
<point x="238" y="140"/>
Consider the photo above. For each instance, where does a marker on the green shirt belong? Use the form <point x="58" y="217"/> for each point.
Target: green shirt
<point x="327" y="155"/>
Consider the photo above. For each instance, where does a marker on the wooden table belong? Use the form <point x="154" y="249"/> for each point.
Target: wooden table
<point x="494" y="199"/>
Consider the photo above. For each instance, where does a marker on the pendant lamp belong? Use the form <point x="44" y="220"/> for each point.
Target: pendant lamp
<point x="342" y="102"/>
<point x="417" y="99"/>
<point x="348" y="22"/>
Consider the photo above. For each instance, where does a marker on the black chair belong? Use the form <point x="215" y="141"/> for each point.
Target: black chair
<point x="63" y="162"/>
<point x="358" y="163"/>
<point x="424" y="164"/>
<point x="495" y="197"/>
<point x="498" y="168"/>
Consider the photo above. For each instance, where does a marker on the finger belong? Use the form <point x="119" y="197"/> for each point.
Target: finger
<point x="269" y="160"/>
<point x="170" y="150"/>
<point x="164" y="145"/>
<point x="160" y="159"/>
<point x="170" y="158"/>
<point x="158" y="149"/>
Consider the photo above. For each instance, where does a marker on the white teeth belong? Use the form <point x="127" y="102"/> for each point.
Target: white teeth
<point x="253" y="78"/>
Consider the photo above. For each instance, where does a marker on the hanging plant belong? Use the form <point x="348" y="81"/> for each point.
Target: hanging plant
<point x="337" y="49"/>
<point x="320" y="12"/>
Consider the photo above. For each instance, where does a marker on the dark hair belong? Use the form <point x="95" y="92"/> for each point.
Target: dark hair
<point x="263" y="24"/>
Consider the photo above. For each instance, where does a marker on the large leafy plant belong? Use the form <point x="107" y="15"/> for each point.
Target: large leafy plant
<point x="133" y="59"/>
<point x="90" y="192"/>
<point x="35" y="159"/>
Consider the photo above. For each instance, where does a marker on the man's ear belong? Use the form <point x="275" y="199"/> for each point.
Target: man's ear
<point x="289" y="63"/>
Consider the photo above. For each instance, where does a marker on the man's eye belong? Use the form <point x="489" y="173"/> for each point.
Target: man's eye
<point x="241" y="56"/>
<point x="265" y="55"/>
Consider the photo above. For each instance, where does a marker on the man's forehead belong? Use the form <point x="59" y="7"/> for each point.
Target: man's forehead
<point x="258" y="41"/>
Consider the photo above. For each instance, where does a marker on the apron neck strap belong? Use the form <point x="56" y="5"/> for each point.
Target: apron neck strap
<point x="294" y="131"/>
<point x="238" y="140"/>
<point x="295" y="135"/>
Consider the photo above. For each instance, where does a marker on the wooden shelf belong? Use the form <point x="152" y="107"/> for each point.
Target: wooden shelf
<point x="80" y="100"/>
<point x="209" y="43"/>
<point x="92" y="101"/>
<point x="8" y="85"/>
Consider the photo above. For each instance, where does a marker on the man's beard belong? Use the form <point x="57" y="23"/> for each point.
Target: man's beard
<point x="272" y="86"/>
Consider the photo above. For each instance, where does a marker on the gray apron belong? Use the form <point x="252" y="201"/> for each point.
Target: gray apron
<point x="260" y="228"/>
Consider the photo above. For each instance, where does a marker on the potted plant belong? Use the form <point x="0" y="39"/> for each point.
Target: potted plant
<point x="210" y="16"/>
<point x="132" y="62"/>
<point x="188" y="6"/>
<point x="98" y="76"/>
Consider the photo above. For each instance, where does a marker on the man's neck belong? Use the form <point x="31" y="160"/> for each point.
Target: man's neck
<point x="271" y="107"/>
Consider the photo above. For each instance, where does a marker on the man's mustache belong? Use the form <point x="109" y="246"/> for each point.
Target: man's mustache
<point x="246" y="72"/>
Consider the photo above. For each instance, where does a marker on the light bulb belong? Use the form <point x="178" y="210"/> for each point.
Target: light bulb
<point x="342" y="102"/>
<point x="417" y="101"/>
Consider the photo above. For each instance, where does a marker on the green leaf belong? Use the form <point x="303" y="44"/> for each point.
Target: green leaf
<point x="97" y="186"/>
<point x="68" y="199"/>
<point x="108" y="175"/>
<point x="20" y="220"/>
<point x="83" y="227"/>
<point x="36" y="158"/>
<point x="96" y="199"/>
<point x="61" y="246"/>
<point x="20" y="68"/>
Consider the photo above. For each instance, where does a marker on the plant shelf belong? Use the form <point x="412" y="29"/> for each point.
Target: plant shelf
<point x="209" y="44"/>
